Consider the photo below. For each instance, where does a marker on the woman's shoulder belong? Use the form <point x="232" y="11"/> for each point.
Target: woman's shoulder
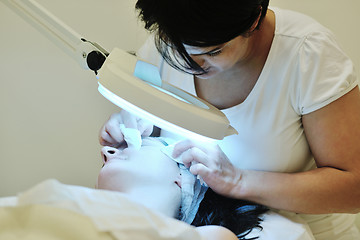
<point x="295" y="24"/>
<point x="149" y="53"/>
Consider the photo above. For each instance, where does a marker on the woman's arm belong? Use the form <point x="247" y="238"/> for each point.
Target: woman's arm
<point x="333" y="133"/>
<point x="212" y="232"/>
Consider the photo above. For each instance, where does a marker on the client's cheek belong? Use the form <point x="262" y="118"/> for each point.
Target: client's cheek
<point x="104" y="178"/>
<point x="177" y="197"/>
<point x="100" y="180"/>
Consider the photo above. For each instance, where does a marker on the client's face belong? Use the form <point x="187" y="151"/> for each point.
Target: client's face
<point x="146" y="172"/>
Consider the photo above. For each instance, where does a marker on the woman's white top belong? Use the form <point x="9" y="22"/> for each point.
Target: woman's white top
<point x="305" y="70"/>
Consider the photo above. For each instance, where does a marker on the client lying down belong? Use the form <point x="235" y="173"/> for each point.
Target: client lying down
<point x="147" y="189"/>
<point x="150" y="177"/>
<point x="147" y="172"/>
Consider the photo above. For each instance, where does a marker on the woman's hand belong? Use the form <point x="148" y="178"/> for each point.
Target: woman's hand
<point x="211" y="163"/>
<point x="110" y="133"/>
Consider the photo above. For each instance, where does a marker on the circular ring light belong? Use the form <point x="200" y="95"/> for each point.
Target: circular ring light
<point x="136" y="86"/>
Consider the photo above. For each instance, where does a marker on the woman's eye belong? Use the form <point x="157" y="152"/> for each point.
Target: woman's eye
<point x="213" y="54"/>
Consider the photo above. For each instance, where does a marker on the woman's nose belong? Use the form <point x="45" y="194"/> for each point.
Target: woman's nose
<point x="108" y="153"/>
<point x="200" y="60"/>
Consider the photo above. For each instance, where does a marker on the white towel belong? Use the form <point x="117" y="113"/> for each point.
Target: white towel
<point x="168" y="150"/>
<point x="192" y="189"/>
<point x="132" y="137"/>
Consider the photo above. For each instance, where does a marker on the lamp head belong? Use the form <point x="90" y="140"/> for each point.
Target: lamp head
<point x="136" y="86"/>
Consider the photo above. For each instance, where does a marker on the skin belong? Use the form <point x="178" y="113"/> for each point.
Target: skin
<point x="141" y="175"/>
<point x="333" y="134"/>
<point x="149" y="177"/>
<point x="235" y="70"/>
<point x="110" y="133"/>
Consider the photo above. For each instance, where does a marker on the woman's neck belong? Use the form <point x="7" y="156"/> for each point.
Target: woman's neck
<point x="260" y="43"/>
<point x="232" y="87"/>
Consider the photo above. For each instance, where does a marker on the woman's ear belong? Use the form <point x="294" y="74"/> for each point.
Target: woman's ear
<point x="255" y="24"/>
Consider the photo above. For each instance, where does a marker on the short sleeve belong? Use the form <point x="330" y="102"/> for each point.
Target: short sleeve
<point x="324" y="72"/>
<point x="149" y="53"/>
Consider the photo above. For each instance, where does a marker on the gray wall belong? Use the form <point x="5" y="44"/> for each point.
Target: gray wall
<point x="50" y="109"/>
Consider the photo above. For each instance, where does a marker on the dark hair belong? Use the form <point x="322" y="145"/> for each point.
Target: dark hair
<point x="239" y="216"/>
<point x="200" y="23"/>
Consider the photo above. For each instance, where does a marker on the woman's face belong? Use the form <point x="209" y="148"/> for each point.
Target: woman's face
<point x="217" y="59"/>
<point x="147" y="173"/>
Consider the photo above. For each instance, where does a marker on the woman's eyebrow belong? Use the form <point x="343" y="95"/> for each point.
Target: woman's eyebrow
<point x="218" y="48"/>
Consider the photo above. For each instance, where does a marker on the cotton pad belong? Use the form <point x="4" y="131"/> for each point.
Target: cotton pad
<point x="132" y="137"/>
<point x="193" y="188"/>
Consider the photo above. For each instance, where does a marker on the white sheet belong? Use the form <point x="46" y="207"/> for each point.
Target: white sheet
<point x="108" y="215"/>
<point x="42" y="222"/>
<point x="276" y="227"/>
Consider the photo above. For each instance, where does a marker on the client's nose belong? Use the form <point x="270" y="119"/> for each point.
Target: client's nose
<point x="108" y="153"/>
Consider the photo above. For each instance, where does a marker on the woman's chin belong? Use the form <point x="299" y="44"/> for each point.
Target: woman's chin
<point x="206" y="75"/>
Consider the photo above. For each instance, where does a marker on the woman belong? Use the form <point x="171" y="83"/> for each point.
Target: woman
<point x="286" y="87"/>
<point x="140" y="174"/>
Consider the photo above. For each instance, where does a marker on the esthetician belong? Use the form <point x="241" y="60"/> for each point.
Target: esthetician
<point x="286" y="86"/>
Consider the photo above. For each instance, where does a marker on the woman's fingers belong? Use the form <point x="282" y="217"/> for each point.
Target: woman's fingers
<point x="104" y="137"/>
<point x="194" y="155"/>
<point x="184" y="145"/>
<point x="112" y="128"/>
<point x="129" y="120"/>
<point x="211" y="163"/>
<point x="144" y="127"/>
<point x="111" y="134"/>
<point x="199" y="169"/>
<point x="194" y="151"/>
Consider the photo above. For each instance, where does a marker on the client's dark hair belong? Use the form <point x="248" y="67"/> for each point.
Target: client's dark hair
<point x="199" y="23"/>
<point x="239" y="216"/>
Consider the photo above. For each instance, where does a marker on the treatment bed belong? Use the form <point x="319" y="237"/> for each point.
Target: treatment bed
<point x="52" y="210"/>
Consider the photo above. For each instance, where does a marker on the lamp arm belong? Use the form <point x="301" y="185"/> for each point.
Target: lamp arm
<point x="130" y="83"/>
<point x="88" y="54"/>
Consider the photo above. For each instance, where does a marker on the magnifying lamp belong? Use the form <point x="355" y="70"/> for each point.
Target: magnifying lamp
<point x="129" y="82"/>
